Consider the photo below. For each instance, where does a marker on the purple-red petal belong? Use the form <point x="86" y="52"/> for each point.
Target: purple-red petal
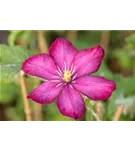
<point x="45" y="93"/>
<point x="40" y="65"/>
<point x="71" y="103"/>
<point x="96" y="88"/>
<point x="63" y="52"/>
<point x="88" y="61"/>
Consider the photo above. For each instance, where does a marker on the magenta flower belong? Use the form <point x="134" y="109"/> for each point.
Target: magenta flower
<point x="66" y="71"/>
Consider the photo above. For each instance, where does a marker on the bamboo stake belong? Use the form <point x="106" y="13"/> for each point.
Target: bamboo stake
<point x="118" y="113"/>
<point x="24" y="94"/>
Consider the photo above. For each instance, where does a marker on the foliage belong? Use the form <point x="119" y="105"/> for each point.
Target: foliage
<point x="11" y="59"/>
<point x="121" y="55"/>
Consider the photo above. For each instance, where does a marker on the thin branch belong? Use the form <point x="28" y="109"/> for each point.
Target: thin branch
<point x="24" y="94"/>
<point x="90" y="107"/>
<point x="71" y="35"/>
<point x="105" y="39"/>
<point x="42" y="42"/>
<point x="99" y="110"/>
<point x="118" y="113"/>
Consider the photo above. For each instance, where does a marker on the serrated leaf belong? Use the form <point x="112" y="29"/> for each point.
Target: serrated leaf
<point x="13" y="54"/>
<point x="9" y="72"/>
<point x="11" y="59"/>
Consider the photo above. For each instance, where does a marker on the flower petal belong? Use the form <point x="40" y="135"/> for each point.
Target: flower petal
<point x="71" y="103"/>
<point x="63" y="52"/>
<point x="96" y="88"/>
<point x="88" y="61"/>
<point x="41" y="65"/>
<point x="45" y="93"/>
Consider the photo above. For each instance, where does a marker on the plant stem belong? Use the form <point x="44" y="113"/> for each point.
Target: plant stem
<point x="93" y="113"/>
<point x="71" y="35"/>
<point x="118" y="113"/>
<point x="105" y="39"/>
<point x="90" y="109"/>
<point x="24" y="94"/>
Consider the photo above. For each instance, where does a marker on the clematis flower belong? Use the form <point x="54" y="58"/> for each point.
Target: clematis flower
<point x="67" y="74"/>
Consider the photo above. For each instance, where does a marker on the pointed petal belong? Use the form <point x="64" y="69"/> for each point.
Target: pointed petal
<point x="70" y="103"/>
<point x="88" y="61"/>
<point x="96" y="88"/>
<point x="45" y="93"/>
<point x="40" y="65"/>
<point x="63" y="51"/>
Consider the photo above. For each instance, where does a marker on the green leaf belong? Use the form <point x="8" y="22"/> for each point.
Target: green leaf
<point x="9" y="72"/>
<point x="7" y="92"/>
<point x="13" y="54"/>
<point x="11" y="59"/>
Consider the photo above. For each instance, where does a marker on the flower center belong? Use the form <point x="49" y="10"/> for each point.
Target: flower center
<point x="67" y="76"/>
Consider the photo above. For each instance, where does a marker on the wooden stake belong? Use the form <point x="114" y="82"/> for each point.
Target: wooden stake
<point x="24" y="94"/>
<point x="118" y="113"/>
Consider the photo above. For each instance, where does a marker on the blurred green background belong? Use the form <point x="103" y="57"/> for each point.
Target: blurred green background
<point x="118" y="65"/>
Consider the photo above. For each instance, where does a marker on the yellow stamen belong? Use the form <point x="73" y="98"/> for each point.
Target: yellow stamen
<point x="67" y="76"/>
